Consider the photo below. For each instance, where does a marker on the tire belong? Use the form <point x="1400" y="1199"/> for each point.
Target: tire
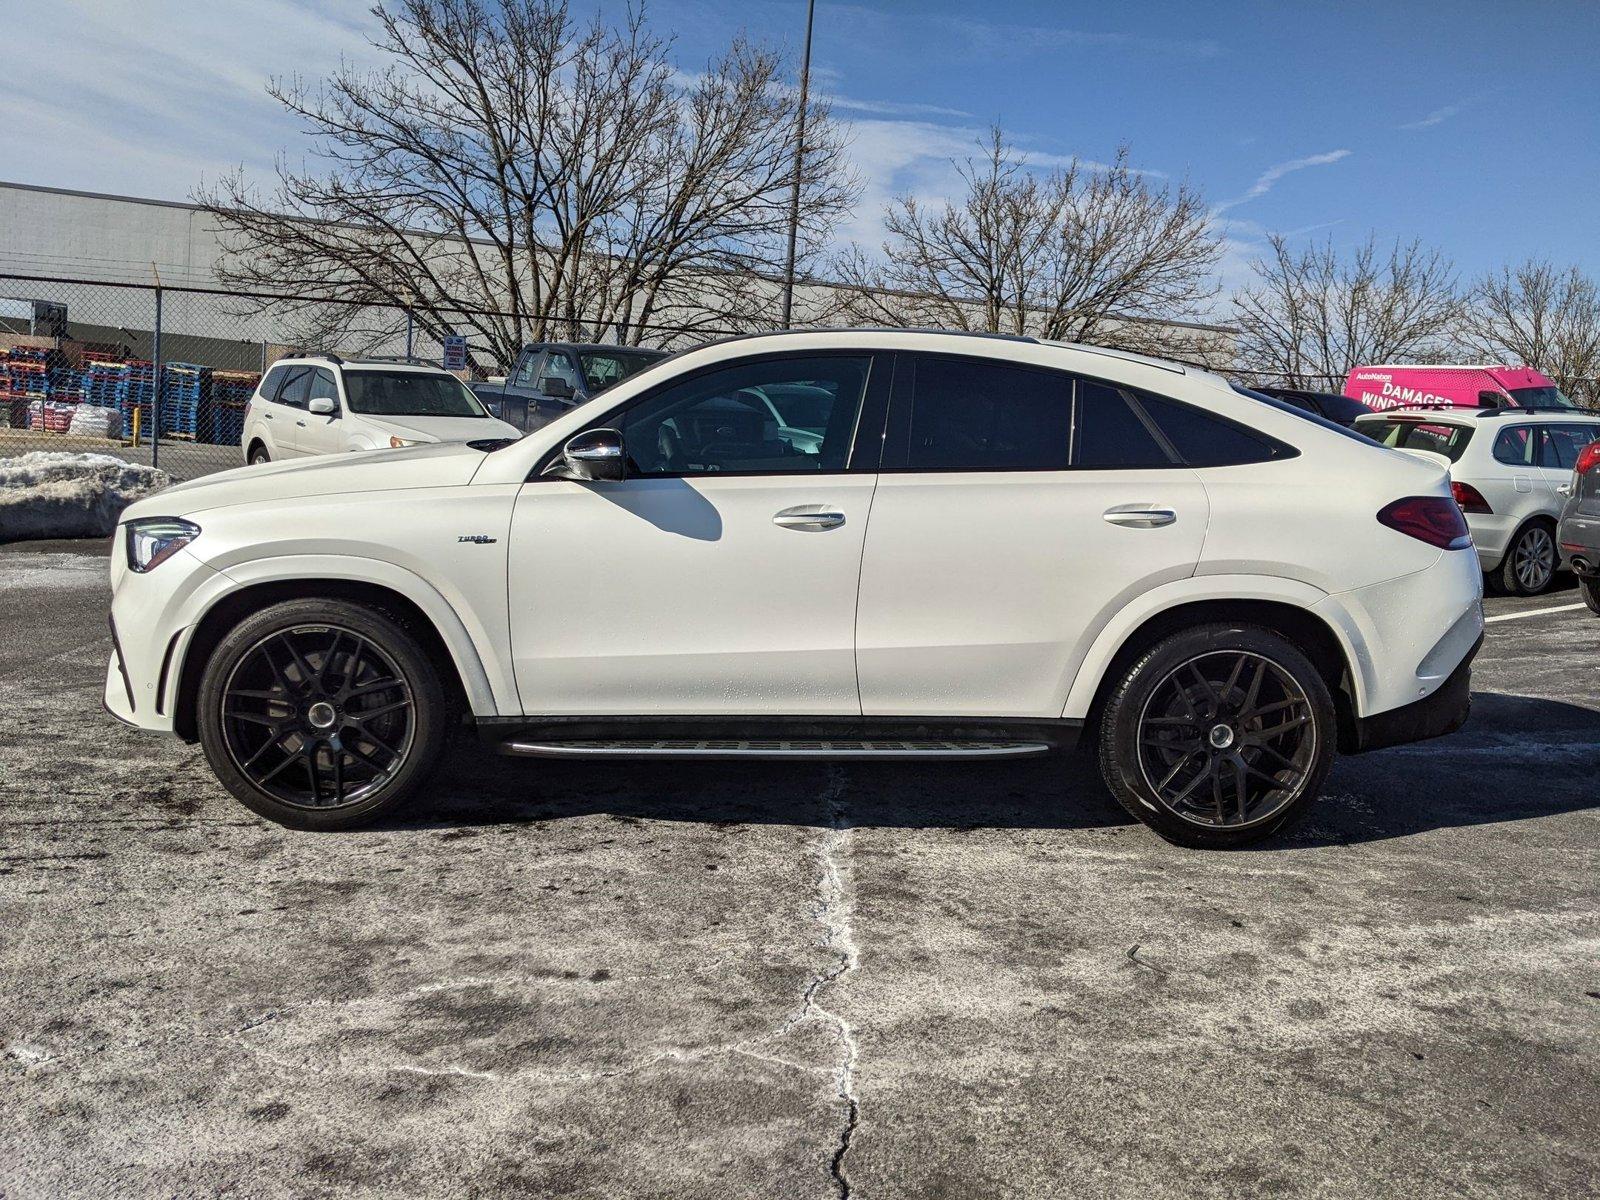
<point x="1177" y="742"/>
<point x="1529" y="567"/>
<point x="322" y="714"/>
<point x="259" y="455"/>
<point x="1590" y="588"/>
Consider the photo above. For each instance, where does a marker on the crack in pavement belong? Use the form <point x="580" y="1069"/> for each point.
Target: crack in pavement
<point x="833" y="911"/>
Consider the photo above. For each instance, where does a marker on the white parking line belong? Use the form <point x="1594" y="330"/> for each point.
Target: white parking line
<point x="1532" y="612"/>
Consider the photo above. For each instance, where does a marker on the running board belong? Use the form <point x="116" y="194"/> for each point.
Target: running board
<point x="729" y="748"/>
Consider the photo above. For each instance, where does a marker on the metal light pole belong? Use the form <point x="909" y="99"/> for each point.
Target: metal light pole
<point x="799" y="158"/>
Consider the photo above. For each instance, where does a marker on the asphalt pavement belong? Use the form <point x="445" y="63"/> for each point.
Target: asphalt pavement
<point x="769" y="980"/>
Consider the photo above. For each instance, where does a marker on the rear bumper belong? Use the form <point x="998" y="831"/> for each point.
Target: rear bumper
<point x="1442" y="711"/>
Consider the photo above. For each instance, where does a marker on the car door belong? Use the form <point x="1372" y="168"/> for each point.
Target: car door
<point x="1017" y="510"/>
<point x="557" y="364"/>
<point x="289" y="410"/>
<point x="322" y="433"/>
<point x="516" y="406"/>
<point x="1558" y="453"/>
<point x="720" y="576"/>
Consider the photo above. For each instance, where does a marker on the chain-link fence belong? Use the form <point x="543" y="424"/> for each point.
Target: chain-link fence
<point x="161" y="375"/>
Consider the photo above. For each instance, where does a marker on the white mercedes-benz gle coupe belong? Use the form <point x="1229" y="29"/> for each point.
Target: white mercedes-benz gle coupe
<point x="976" y="547"/>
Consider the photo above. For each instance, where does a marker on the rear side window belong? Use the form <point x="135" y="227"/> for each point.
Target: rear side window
<point x="981" y="416"/>
<point x="1448" y="440"/>
<point x="297" y="386"/>
<point x="273" y="381"/>
<point x="1108" y="432"/>
<point x="1563" y="442"/>
<point x="1515" y="446"/>
<point x="1203" y="440"/>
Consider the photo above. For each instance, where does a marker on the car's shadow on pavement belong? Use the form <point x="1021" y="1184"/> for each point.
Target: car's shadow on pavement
<point x="1518" y="758"/>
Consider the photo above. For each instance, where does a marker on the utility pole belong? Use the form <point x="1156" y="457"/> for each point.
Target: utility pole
<point x="799" y="159"/>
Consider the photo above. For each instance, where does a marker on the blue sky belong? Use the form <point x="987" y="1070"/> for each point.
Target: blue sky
<point x="1473" y="125"/>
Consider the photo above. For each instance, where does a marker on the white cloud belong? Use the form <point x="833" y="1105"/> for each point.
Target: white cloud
<point x="1268" y="179"/>
<point x="1437" y="117"/>
<point x="892" y="108"/>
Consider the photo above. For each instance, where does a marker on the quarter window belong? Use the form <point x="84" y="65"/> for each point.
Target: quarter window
<point x="1110" y="434"/>
<point x="1514" y="446"/>
<point x="1202" y="440"/>
<point x="735" y="420"/>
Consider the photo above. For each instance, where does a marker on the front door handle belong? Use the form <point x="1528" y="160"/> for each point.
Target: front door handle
<point x="809" y="516"/>
<point x="1140" y="516"/>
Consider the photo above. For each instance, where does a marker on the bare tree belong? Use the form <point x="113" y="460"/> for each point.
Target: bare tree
<point x="1309" y="316"/>
<point x="1540" y="316"/>
<point x="514" y="175"/>
<point x="1081" y="254"/>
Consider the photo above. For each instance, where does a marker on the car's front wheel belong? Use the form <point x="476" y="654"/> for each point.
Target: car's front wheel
<point x="1219" y="735"/>
<point x="322" y="713"/>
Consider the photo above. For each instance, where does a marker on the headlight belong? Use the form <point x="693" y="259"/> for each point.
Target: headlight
<point x="155" y="539"/>
<point x="396" y="442"/>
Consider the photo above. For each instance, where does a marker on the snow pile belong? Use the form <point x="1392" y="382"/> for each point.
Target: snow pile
<point x="49" y="494"/>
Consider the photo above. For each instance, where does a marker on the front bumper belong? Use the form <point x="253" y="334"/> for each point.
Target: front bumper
<point x="1444" y="711"/>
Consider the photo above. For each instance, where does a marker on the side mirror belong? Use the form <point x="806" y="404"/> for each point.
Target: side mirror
<point x="554" y="385"/>
<point x="596" y="455"/>
<point x="322" y="406"/>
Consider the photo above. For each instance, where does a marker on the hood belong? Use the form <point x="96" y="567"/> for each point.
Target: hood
<point x="443" y="429"/>
<point x="439" y="464"/>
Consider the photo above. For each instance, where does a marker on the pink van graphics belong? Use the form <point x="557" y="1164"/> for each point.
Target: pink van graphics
<point x="1385" y="387"/>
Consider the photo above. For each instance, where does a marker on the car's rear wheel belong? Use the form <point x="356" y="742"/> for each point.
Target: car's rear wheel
<point x="322" y="713"/>
<point x="1590" y="587"/>
<point x="259" y="455"/>
<point x="1529" y="567"/>
<point x="1219" y="735"/>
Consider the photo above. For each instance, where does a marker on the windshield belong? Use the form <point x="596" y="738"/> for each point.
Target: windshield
<point x="603" y="368"/>
<point x="409" y="394"/>
<point x="1448" y="440"/>
<point x="1540" y="397"/>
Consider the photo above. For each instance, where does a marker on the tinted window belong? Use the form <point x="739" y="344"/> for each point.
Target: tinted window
<point x="273" y="381"/>
<point x="724" y="421"/>
<point x="1514" y="446"/>
<point x="296" y="386"/>
<point x="1342" y="408"/>
<point x="1314" y="418"/>
<point x="1563" y="442"/>
<point x="1108" y="433"/>
<point x="1448" y="440"/>
<point x="322" y="384"/>
<point x="981" y="416"/>
<point x="557" y="365"/>
<point x="1202" y="440"/>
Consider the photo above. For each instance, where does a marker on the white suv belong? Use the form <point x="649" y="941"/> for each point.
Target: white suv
<point x="1509" y="469"/>
<point x="321" y="404"/>
<point x="992" y="546"/>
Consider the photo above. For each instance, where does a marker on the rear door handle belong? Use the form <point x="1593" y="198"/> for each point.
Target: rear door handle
<point x="302" y="424"/>
<point x="809" y="516"/>
<point x="1140" y="516"/>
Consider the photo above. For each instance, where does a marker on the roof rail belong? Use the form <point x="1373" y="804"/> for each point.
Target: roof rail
<point x="410" y="359"/>
<point x="323" y="354"/>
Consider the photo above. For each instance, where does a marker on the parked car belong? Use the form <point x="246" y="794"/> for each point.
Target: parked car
<point x="989" y="548"/>
<point x="322" y="404"/>
<point x="1332" y="406"/>
<point x="552" y="378"/>
<point x="1578" y="535"/>
<point x="1507" y="467"/>
<point x="1481" y="386"/>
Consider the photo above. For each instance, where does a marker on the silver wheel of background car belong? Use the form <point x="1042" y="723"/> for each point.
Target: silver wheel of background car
<point x="317" y="716"/>
<point x="1534" y="559"/>
<point x="1227" y="740"/>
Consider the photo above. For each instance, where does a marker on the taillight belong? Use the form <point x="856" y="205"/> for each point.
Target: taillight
<point x="1432" y="519"/>
<point x="1469" y="498"/>
<point x="1588" y="458"/>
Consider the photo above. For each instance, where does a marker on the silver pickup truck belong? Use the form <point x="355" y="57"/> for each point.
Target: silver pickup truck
<point x="551" y="377"/>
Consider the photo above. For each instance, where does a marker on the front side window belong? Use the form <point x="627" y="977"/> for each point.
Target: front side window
<point x="379" y="393"/>
<point x="981" y="416"/>
<point x="323" y="385"/>
<point x="725" y="421"/>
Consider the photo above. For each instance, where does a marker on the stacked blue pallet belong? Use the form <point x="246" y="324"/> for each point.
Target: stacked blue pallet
<point x="101" y="380"/>
<point x="185" y="394"/>
<point x="136" y="390"/>
<point x="223" y="423"/>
